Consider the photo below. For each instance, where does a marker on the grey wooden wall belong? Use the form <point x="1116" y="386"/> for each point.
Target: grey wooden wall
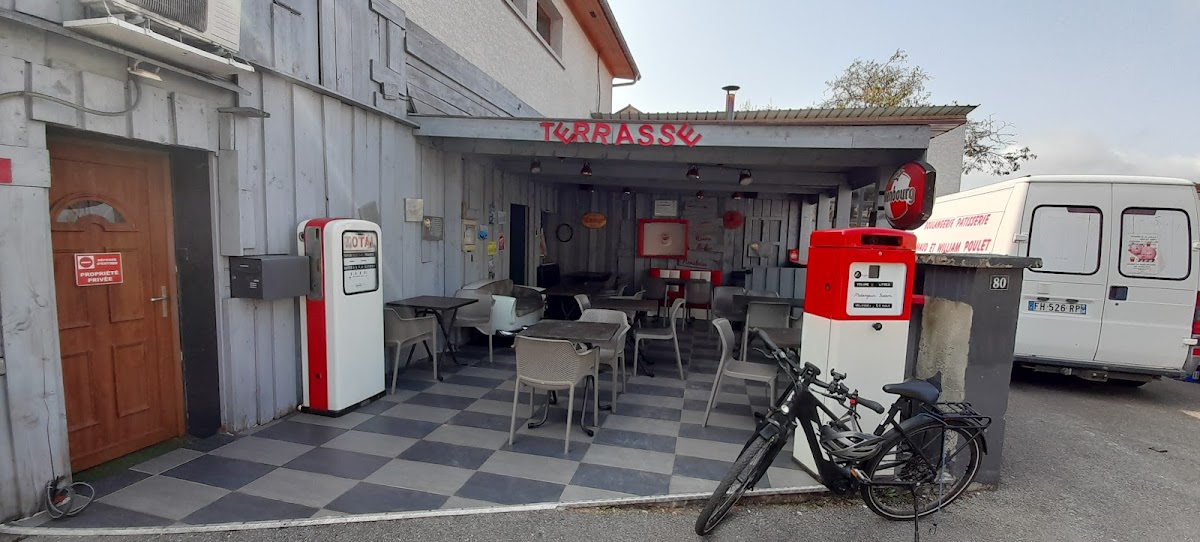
<point x="777" y="223"/>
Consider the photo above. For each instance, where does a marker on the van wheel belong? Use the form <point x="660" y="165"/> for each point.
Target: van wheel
<point x="1129" y="383"/>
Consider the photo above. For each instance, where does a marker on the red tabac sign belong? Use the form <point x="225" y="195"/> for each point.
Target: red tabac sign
<point x="99" y="269"/>
<point x="908" y="198"/>
<point x="605" y="133"/>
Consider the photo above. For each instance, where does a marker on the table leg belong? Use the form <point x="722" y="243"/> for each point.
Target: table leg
<point x="450" y="348"/>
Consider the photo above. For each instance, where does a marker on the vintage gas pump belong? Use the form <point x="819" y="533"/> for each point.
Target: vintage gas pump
<point x="341" y="319"/>
<point x="857" y="300"/>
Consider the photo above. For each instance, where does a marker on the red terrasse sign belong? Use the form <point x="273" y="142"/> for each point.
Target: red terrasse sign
<point x="605" y="133"/>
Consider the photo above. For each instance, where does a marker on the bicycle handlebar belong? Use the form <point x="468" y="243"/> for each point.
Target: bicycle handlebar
<point x="878" y="408"/>
<point x="834" y="386"/>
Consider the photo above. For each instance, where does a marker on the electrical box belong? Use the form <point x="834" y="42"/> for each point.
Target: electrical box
<point x="268" y="277"/>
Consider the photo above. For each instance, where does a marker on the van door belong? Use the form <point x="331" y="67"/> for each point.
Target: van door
<point x="1062" y="304"/>
<point x="1152" y="279"/>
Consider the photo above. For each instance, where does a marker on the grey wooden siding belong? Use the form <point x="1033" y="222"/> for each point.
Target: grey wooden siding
<point x="441" y="82"/>
<point x="778" y="224"/>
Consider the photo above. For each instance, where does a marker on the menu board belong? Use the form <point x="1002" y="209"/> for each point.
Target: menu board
<point x="360" y="262"/>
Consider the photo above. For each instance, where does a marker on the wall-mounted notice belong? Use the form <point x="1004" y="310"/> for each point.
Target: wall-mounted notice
<point x="414" y="209"/>
<point x="666" y="208"/>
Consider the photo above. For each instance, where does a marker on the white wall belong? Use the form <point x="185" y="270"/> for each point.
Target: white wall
<point x="945" y="154"/>
<point x="491" y="35"/>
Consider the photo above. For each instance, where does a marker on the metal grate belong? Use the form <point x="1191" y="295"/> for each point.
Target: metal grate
<point x="193" y="13"/>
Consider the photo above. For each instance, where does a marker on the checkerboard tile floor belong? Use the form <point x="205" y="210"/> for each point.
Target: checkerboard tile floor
<point x="440" y="445"/>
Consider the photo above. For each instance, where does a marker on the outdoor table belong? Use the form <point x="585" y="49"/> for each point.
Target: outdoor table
<point x="745" y="300"/>
<point x="784" y="337"/>
<point x="440" y="307"/>
<point x="580" y="332"/>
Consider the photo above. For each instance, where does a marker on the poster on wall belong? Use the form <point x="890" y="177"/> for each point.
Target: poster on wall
<point x="702" y="260"/>
<point x="706" y="234"/>
<point x="666" y="208"/>
<point x="699" y="208"/>
<point x="659" y="238"/>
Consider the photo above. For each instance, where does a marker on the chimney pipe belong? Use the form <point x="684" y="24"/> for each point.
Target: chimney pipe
<point x="730" y="94"/>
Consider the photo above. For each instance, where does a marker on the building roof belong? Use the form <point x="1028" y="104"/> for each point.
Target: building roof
<point x="941" y="118"/>
<point x="628" y="110"/>
<point x="600" y="26"/>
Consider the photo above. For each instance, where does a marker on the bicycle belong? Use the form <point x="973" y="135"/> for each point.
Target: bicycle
<point x="897" y="461"/>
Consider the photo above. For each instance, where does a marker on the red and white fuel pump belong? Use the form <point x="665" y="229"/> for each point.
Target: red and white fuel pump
<point x="857" y="302"/>
<point x="341" y="319"/>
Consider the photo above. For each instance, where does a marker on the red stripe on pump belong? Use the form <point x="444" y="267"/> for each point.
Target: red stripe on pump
<point x="318" y="337"/>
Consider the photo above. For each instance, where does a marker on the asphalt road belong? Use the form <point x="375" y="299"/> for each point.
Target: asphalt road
<point x="1082" y="462"/>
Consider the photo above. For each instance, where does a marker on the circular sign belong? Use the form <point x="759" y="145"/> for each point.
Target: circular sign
<point x="733" y="219"/>
<point x="908" y="197"/>
<point x="594" y="220"/>
<point x="86" y="262"/>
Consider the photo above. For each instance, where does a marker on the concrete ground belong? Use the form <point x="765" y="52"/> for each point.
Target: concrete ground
<point x="1082" y="462"/>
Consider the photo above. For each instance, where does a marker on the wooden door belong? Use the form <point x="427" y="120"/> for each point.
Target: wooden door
<point x="120" y="355"/>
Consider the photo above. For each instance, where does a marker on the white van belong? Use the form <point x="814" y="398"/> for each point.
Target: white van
<point x="1117" y="294"/>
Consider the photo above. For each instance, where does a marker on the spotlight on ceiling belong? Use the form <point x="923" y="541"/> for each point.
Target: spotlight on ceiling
<point x="628" y="191"/>
<point x="744" y="178"/>
<point x="586" y="170"/>
<point x="535" y="166"/>
<point x="699" y="194"/>
<point x="693" y="172"/>
<point x="737" y="195"/>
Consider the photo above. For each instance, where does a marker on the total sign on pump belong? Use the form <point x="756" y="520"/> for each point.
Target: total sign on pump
<point x="1116" y="295"/>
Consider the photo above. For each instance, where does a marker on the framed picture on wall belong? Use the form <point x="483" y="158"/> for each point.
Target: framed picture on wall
<point x="662" y="238"/>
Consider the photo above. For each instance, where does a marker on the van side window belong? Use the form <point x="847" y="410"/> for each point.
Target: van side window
<point x="1155" y="244"/>
<point x="1066" y="238"/>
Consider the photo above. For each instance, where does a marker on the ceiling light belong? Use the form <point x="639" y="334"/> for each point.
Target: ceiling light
<point x="693" y="172"/>
<point x="137" y="70"/>
<point x="744" y="178"/>
<point x="535" y="166"/>
<point x="586" y="170"/>
<point x="699" y="194"/>
<point x="737" y="195"/>
<point x="628" y="191"/>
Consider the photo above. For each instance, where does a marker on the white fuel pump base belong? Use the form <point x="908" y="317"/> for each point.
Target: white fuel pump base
<point x="858" y="300"/>
<point x="341" y="319"/>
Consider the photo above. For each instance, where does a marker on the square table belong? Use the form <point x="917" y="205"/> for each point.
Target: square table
<point x="439" y="306"/>
<point x="580" y="332"/>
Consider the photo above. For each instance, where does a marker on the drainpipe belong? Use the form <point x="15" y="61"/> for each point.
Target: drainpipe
<point x="730" y="95"/>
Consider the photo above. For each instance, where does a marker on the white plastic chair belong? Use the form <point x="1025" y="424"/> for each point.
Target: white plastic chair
<point x="477" y="315"/>
<point x="669" y="333"/>
<point x="402" y="328"/>
<point x="612" y="353"/>
<point x="583" y="302"/>
<point x="755" y="372"/>
<point x="553" y="365"/>
<point x="765" y="315"/>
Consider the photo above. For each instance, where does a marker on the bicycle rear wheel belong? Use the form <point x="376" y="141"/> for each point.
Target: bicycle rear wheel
<point x="746" y="471"/>
<point x="916" y="476"/>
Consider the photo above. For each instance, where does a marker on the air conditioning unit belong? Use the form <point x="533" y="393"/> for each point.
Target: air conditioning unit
<point x="217" y="22"/>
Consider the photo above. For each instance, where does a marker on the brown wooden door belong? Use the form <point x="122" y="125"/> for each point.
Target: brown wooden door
<point x="121" y="368"/>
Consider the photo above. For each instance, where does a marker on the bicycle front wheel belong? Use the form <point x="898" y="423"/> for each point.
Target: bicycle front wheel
<point x="746" y="471"/>
<point x="918" y="475"/>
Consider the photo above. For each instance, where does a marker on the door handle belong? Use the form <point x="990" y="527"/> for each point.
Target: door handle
<point x="1118" y="293"/>
<point x="162" y="297"/>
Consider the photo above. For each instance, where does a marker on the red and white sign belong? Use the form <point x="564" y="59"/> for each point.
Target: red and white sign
<point x="5" y="171"/>
<point x="604" y="133"/>
<point x="908" y="198"/>
<point x="794" y="255"/>
<point x="99" y="269"/>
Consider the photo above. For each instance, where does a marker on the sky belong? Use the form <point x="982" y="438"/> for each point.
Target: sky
<point x="1091" y="86"/>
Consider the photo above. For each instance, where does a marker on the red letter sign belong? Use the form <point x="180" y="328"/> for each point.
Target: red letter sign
<point x="98" y="269"/>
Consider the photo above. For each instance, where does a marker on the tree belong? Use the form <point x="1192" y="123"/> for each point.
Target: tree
<point x="989" y="145"/>
<point x="748" y="105"/>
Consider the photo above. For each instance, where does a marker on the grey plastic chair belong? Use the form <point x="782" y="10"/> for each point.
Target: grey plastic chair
<point x="553" y="365"/>
<point x="612" y="353"/>
<point x="669" y="333"/>
<point x="477" y="315"/>
<point x="765" y="315"/>
<point x="754" y="372"/>
<point x="762" y="293"/>
<point x="401" y="328"/>
<point x="655" y="288"/>
<point x="723" y="304"/>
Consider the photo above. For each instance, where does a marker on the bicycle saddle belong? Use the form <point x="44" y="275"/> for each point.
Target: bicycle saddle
<point x="915" y="388"/>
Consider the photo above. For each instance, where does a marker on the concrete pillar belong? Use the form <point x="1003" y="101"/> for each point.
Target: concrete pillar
<point x="968" y="329"/>
<point x="824" y="211"/>
<point x="842" y="218"/>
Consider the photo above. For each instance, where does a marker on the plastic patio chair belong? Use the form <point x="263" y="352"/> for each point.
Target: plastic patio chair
<point x="698" y="294"/>
<point x="583" y="302"/>
<point x="401" y="327"/>
<point x="612" y="353"/>
<point x="765" y="315"/>
<point x="655" y="288"/>
<point x="755" y="372"/>
<point x="477" y="315"/>
<point x="669" y="333"/>
<point x="553" y="365"/>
